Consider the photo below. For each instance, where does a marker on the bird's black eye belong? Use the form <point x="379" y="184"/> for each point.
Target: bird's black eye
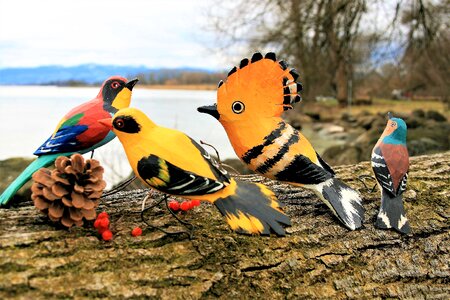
<point x="119" y="123"/>
<point x="238" y="107"/>
<point x="393" y="124"/>
<point x="115" y="85"/>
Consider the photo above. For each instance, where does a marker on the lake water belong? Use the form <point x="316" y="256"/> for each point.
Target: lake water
<point x="29" y="114"/>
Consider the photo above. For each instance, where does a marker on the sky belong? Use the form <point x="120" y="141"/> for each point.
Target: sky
<point x="153" y="33"/>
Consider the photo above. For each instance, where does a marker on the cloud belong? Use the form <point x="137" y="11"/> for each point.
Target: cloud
<point x="151" y="33"/>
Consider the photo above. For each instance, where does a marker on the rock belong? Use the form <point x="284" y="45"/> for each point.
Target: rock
<point x="342" y="154"/>
<point x="313" y="115"/>
<point x="366" y="122"/>
<point x="348" y="117"/>
<point x="414" y="122"/>
<point x="423" y="145"/>
<point x="418" y="113"/>
<point x="330" y="129"/>
<point x="434" y="115"/>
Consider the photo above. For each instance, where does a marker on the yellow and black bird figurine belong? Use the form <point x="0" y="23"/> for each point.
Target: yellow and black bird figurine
<point x="170" y="161"/>
<point x="249" y="106"/>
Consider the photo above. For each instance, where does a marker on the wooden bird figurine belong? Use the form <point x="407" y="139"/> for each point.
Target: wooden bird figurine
<point x="78" y="131"/>
<point x="249" y="106"/>
<point x="390" y="164"/>
<point x="171" y="162"/>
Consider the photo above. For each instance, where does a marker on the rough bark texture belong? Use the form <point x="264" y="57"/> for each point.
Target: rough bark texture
<point x="317" y="259"/>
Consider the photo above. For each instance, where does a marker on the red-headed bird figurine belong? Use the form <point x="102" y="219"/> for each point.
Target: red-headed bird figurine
<point x="78" y="131"/>
<point x="390" y="164"/>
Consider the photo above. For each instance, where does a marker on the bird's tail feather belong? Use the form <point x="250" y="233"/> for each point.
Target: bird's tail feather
<point x="10" y="191"/>
<point x="344" y="201"/>
<point x="252" y="208"/>
<point x="392" y="214"/>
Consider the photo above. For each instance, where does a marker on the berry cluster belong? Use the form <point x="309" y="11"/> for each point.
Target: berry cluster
<point x="102" y="226"/>
<point x="183" y="206"/>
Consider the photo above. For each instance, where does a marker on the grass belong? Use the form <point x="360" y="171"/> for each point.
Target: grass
<point x="405" y="106"/>
<point x="329" y="110"/>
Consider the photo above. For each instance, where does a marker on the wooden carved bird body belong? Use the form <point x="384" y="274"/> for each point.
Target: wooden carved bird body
<point x="79" y="130"/>
<point x="249" y="106"/>
<point x="390" y="164"/>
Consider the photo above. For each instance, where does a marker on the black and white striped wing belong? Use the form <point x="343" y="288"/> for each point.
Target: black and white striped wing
<point x="381" y="172"/>
<point x="168" y="178"/>
<point x="402" y="186"/>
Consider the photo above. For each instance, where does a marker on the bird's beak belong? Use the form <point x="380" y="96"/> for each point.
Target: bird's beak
<point x="130" y="84"/>
<point x="389" y="115"/>
<point x="210" y="109"/>
<point x="106" y="122"/>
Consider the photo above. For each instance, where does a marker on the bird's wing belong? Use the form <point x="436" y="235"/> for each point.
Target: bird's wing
<point x="325" y="165"/>
<point x="166" y="177"/>
<point x="302" y="170"/>
<point x="397" y="162"/>
<point x="78" y="130"/>
<point x="381" y="171"/>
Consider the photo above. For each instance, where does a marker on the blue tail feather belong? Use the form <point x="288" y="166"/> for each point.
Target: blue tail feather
<point x="25" y="176"/>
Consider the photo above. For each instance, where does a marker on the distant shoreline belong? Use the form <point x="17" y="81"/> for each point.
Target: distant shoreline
<point x="190" y="87"/>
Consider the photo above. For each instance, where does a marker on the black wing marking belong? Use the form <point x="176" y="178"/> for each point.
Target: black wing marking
<point x="302" y="170"/>
<point x="402" y="185"/>
<point x="325" y="165"/>
<point x="220" y="173"/>
<point x="382" y="173"/>
<point x="166" y="177"/>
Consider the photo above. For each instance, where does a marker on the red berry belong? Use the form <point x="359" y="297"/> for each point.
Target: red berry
<point x="97" y="223"/>
<point x="185" y="205"/>
<point x="136" y="231"/>
<point x="103" y="223"/>
<point x="107" y="235"/>
<point x="103" y="215"/>
<point x="195" y="202"/>
<point x="174" y="205"/>
<point x="101" y="230"/>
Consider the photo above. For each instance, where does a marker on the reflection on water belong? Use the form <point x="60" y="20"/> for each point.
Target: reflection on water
<point x="29" y="115"/>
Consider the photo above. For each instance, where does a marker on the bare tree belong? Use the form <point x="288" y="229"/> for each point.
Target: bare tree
<point x="328" y="39"/>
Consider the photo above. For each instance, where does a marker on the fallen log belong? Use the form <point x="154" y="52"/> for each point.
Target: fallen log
<point x="318" y="258"/>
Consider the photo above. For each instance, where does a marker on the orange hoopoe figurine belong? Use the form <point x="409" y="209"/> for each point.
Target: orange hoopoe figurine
<point x="249" y="106"/>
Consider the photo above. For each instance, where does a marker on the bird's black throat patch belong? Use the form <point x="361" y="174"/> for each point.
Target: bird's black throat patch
<point x="126" y="124"/>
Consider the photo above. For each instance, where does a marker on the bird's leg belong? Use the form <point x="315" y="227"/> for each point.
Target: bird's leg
<point x="120" y="187"/>
<point x="143" y="210"/>
<point x="92" y="154"/>
<point x="188" y="225"/>
<point x="217" y="152"/>
<point x="218" y="157"/>
<point x="362" y="177"/>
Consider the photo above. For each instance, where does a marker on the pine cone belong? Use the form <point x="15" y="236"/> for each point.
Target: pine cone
<point x="71" y="191"/>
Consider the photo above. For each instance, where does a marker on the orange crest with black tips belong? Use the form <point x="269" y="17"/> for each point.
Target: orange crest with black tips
<point x="259" y="87"/>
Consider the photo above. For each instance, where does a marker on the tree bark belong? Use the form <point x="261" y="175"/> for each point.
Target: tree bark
<point x="318" y="258"/>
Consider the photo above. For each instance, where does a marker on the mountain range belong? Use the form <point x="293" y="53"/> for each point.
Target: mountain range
<point x="86" y="73"/>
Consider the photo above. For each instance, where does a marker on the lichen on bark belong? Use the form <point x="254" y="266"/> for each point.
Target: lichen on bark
<point x="318" y="258"/>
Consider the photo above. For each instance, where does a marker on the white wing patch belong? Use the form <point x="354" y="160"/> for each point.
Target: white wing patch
<point x="403" y="220"/>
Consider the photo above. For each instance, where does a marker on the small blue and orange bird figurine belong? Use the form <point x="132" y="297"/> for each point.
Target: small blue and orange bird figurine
<point x="249" y="106"/>
<point x="390" y="164"/>
<point x="171" y="162"/>
<point x="78" y="131"/>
